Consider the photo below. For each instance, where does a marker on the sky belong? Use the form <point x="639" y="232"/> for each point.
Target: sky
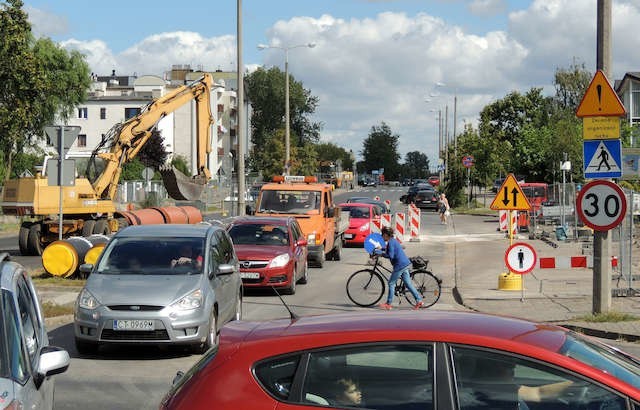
<point x="400" y="62"/>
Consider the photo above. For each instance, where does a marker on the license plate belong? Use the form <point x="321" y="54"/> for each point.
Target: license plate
<point x="348" y="236"/>
<point x="249" y="275"/>
<point x="133" y="325"/>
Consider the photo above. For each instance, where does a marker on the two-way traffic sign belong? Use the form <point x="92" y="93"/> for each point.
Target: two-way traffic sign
<point x="510" y="196"/>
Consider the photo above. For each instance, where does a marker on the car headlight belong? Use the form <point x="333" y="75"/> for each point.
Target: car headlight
<point x="364" y="227"/>
<point x="191" y="301"/>
<point x="280" y="261"/>
<point x="87" y="301"/>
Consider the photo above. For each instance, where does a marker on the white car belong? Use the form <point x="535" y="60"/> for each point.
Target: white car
<point x="26" y="359"/>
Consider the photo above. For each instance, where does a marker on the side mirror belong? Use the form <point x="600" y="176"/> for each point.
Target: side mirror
<point x="53" y="360"/>
<point x="330" y="212"/>
<point x="225" y="269"/>
<point x="86" y="267"/>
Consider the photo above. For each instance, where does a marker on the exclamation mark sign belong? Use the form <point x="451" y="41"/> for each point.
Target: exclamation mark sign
<point x="599" y="89"/>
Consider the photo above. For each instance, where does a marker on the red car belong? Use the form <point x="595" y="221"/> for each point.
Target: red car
<point x="272" y="252"/>
<point x="434" y="180"/>
<point x="407" y="360"/>
<point x="361" y="216"/>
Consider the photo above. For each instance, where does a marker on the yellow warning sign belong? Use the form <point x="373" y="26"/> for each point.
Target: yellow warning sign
<point x="510" y="196"/>
<point x="600" y="128"/>
<point x="600" y="99"/>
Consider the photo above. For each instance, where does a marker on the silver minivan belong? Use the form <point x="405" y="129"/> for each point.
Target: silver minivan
<point x="27" y="362"/>
<point x="160" y="284"/>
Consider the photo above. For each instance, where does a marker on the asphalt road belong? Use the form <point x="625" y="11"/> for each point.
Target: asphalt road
<point x="138" y="377"/>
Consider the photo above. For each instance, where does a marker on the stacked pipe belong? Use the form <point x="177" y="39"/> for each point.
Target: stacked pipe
<point x="64" y="257"/>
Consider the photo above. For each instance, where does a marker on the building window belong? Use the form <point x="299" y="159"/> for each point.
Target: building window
<point x="82" y="112"/>
<point x="131" y="112"/>
<point x="103" y="113"/>
<point x="82" y="140"/>
<point x="220" y="107"/>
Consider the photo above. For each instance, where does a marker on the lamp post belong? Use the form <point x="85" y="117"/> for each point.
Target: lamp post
<point x="287" y="155"/>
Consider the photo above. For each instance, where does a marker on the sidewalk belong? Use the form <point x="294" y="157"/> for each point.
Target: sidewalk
<point x="558" y="296"/>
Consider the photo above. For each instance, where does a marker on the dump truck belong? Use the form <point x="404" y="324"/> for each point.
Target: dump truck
<point x="323" y="223"/>
<point x="88" y="205"/>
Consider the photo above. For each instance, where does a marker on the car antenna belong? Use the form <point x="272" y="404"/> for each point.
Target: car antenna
<point x="292" y="315"/>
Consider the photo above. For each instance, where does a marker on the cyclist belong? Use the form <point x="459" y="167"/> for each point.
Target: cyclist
<point x="401" y="264"/>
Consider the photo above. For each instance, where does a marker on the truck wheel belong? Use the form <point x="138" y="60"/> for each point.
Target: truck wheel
<point x="320" y="262"/>
<point x="87" y="227"/>
<point x="34" y="243"/>
<point x="23" y="238"/>
<point x="102" y="227"/>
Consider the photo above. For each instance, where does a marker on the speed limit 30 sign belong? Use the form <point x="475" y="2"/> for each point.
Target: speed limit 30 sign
<point x="601" y="205"/>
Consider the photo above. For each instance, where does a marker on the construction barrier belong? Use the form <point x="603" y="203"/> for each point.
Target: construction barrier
<point x="414" y="223"/>
<point x="503" y="221"/>
<point x="399" y="226"/>
<point x="514" y="223"/>
<point x="374" y="225"/>
<point x="385" y="220"/>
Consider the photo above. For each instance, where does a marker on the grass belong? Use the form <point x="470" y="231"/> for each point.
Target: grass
<point x="52" y="310"/>
<point x="9" y="227"/>
<point x="608" y="317"/>
<point x="46" y="279"/>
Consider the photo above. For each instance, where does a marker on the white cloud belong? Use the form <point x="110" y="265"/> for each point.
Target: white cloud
<point x="45" y="23"/>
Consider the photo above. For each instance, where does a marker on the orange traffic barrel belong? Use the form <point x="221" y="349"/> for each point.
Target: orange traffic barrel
<point x="62" y="258"/>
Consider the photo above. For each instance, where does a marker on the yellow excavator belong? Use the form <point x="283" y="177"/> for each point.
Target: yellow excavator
<point x="88" y="205"/>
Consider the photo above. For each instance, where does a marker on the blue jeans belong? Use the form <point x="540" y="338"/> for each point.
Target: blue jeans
<point x="407" y="282"/>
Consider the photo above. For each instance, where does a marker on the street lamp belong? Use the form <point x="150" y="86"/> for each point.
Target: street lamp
<point x="286" y="97"/>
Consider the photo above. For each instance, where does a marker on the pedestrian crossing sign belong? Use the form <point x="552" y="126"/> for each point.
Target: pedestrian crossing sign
<point x="602" y="158"/>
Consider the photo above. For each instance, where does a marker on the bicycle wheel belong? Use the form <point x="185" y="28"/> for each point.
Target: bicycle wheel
<point x="427" y="285"/>
<point x="365" y="287"/>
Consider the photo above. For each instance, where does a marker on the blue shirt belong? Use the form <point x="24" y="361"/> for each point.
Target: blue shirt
<point x="396" y="255"/>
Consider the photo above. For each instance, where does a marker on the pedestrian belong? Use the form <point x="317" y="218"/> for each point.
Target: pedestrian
<point x="401" y="264"/>
<point x="443" y="208"/>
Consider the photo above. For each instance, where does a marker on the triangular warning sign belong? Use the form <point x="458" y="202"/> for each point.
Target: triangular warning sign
<point x="602" y="160"/>
<point x="600" y="99"/>
<point x="510" y="196"/>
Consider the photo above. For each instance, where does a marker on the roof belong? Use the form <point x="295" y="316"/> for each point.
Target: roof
<point x="406" y="325"/>
<point x="273" y="220"/>
<point x="167" y="230"/>
<point x="273" y="186"/>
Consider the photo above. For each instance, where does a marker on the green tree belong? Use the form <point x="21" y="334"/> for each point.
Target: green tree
<point x="266" y="90"/>
<point x="380" y="150"/>
<point x="416" y="165"/>
<point x="38" y="80"/>
<point x="571" y="84"/>
<point x="152" y="154"/>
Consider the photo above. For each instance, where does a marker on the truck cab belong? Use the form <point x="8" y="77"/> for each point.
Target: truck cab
<point x="311" y="203"/>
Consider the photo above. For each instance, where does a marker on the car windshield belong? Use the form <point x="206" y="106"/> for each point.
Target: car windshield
<point x="152" y="256"/>
<point x="602" y="357"/>
<point x="290" y="202"/>
<point x="358" y="211"/>
<point x="259" y="234"/>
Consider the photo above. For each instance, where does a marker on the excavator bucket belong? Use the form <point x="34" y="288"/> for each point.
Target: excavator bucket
<point x="181" y="187"/>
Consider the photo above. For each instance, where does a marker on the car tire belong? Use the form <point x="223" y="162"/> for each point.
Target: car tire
<point x="213" y="337"/>
<point x="305" y="274"/>
<point x="291" y="289"/>
<point x="86" y="348"/>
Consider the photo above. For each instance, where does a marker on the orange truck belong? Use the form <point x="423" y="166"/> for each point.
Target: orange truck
<point x="323" y="223"/>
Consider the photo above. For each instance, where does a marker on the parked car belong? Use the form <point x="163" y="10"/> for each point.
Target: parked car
<point x="27" y="361"/>
<point x="145" y="290"/>
<point x="384" y="207"/>
<point x="272" y="252"/>
<point x="434" y="180"/>
<point x="497" y="183"/>
<point x="427" y="199"/>
<point x="361" y="216"/>
<point x="407" y="360"/>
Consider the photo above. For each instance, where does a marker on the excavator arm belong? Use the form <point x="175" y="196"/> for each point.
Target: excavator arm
<point x="129" y="137"/>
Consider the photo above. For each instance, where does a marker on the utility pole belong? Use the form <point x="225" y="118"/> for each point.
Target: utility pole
<point x="601" y="240"/>
<point x="240" y="127"/>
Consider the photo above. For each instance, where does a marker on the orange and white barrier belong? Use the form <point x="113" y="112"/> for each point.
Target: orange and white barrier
<point x="566" y="262"/>
<point x="503" y="219"/>
<point x="375" y="226"/>
<point x="414" y="223"/>
<point x="514" y="223"/>
<point x="399" y="226"/>
<point x="385" y="220"/>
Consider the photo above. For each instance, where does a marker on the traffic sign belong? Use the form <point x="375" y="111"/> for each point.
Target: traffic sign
<point x="601" y="205"/>
<point x="520" y="258"/>
<point x="600" y="128"/>
<point x="374" y="241"/>
<point x="602" y="158"/>
<point x="467" y="161"/>
<point x="510" y="196"/>
<point x="600" y="99"/>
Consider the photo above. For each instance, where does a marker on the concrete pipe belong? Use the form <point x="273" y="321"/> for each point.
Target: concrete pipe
<point x="62" y="258"/>
<point x="148" y="216"/>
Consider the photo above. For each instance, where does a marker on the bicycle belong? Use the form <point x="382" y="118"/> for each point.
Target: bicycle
<point x="367" y="286"/>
